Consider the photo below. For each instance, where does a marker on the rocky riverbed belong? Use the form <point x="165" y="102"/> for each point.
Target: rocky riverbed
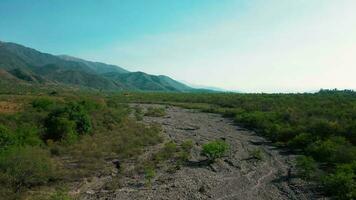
<point x="239" y="175"/>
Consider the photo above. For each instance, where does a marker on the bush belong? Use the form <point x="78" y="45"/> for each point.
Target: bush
<point x="341" y="184"/>
<point x="28" y="135"/>
<point x="42" y="103"/>
<point x="187" y="145"/>
<point x="306" y="167"/>
<point x="155" y="112"/>
<point x="168" y="152"/>
<point x="149" y="175"/>
<point x="335" y="149"/>
<point x="60" y="195"/>
<point x="301" y="140"/>
<point x="6" y="138"/>
<point x="78" y="114"/>
<point x="138" y="112"/>
<point x="256" y="154"/>
<point x="215" y="149"/>
<point x="59" y="128"/>
<point x="66" y="123"/>
<point x="24" y="167"/>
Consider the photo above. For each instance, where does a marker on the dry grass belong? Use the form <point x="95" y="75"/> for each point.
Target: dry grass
<point x="9" y="107"/>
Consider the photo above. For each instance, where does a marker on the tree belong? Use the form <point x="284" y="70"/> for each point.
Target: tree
<point x="306" y="167"/>
<point x="341" y="184"/>
<point x="59" y="127"/>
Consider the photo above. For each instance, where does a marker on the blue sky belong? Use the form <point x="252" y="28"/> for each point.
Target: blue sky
<point x="246" y="45"/>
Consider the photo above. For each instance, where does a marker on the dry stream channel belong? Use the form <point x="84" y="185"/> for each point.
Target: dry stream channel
<point x="236" y="176"/>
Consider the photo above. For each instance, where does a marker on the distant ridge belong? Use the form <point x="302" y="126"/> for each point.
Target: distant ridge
<point x="20" y="64"/>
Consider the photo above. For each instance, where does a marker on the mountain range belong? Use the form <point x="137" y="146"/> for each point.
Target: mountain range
<point x="20" y="64"/>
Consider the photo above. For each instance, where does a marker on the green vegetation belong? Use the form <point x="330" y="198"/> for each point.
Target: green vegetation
<point x="155" y="112"/>
<point x="138" y="112"/>
<point x="256" y="154"/>
<point x="22" y="66"/>
<point x="215" y="149"/>
<point x="321" y="126"/>
<point x="149" y="175"/>
<point x="341" y="183"/>
<point x="41" y="143"/>
<point x="52" y="131"/>
<point x="306" y="167"/>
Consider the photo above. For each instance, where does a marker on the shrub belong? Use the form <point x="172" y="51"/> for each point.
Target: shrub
<point x="28" y="135"/>
<point x="59" y="128"/>
<point x="301" y="140"/>
<point x="187" y="145"/>
<point x="306" y="167"/>
<point x="256" y="154"/>
<point x="215" y="149"/>
<point x="167" y="152"/>
<point x="155" y="112"/>
<point x="77" y="113"/>
<point x="42" y="103"/>
<point x="335" y="149"/>
<point x="60" y="195"/>
<point x="149" y="175"/>
<point x="6" y="138"/>
<point x="341" y="184"/>
<point x="66" y="123"/>
<point x="25" y="167"/>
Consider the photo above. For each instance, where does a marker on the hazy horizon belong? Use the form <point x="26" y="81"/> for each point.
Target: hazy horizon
<point x="249" y="46"/>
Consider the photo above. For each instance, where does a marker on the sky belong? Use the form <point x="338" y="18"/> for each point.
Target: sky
<point x="244" y="45"/>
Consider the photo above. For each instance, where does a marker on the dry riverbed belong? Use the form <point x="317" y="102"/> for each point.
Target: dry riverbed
<point x="239" y="175"/>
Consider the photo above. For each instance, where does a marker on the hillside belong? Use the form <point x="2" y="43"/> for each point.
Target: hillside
<point x="27" y="65"/>
<point x="143" y="81"/>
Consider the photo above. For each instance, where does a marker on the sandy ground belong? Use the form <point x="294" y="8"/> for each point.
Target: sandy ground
<point x="236" y="176"/>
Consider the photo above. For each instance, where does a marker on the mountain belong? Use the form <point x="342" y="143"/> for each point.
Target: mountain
<point x="20" y="64"/>
<point x="98" y="67"/>
<point x="143" y="81"/>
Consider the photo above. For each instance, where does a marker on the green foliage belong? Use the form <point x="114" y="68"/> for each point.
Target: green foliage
<point x="28" y="135"/>
<point x="256" y="154"/>
<point x="60" y="128"/>
<point x="332" y="150"/>
<point x="6" y="138"/>
<point x="67" y="123"/>
<point x="167" y="152"/>
<point x="60" y="195"/>
<point x="306" y="167"/>
<point x="25" y="167"/>
<point x="320" y="125"/>
<point x="301" y="140"/>
<point x="42" y="103"/>
<point x="150" y="173"/>
<point x="78" y="114"/>
<point x="215" y="149"/>
<point x="138" y="112"/>
<point x="342" y="182"/>
<point x="155" y="112"/>
<point x="187" y="145"/>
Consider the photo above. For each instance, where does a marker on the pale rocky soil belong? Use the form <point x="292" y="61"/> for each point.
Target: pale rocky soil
<point x="236" y="176"/>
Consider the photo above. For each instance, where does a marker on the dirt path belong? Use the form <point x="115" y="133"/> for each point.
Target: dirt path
<point x="237" y="176"/>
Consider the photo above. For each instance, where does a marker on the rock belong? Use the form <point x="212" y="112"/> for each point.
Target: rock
<point x="90" y="192"/>
<point x="117" y="163"/>
<point x="202" y="189"/>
